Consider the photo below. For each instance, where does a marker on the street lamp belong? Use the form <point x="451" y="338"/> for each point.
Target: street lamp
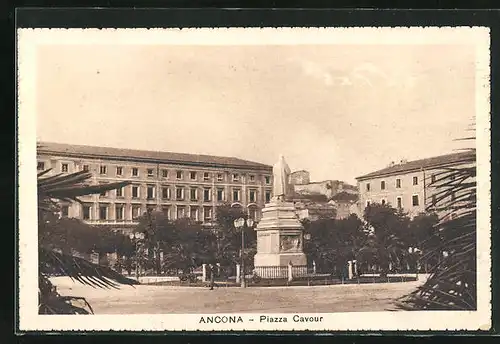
<point x="414" y="251"/>
<point x="241" y="224"/>
<point x="136" y="237"/>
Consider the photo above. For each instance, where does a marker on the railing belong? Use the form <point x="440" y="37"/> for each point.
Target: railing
<point x="279" y="271"/>
<point x="271" y="271"/>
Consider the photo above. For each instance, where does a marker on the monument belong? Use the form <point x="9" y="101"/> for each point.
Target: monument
<point x="279" y="232"/>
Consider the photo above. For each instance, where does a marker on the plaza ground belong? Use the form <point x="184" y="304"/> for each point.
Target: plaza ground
<point x="150" y="299"/>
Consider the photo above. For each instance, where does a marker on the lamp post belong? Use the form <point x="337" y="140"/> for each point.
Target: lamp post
<point x="241" y="224"/>
<point x="136" y="238"/>
<point x="416" y="253"/>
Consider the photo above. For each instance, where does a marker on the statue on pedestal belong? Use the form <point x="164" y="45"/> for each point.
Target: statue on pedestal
<point x="281" y="182"/>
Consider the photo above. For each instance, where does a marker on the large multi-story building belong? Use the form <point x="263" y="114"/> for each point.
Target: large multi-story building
<point x="180" y="185"/>
<point x="409" y="184"/>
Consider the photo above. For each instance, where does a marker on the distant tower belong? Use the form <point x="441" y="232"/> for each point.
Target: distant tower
<point x="300" y="177"/>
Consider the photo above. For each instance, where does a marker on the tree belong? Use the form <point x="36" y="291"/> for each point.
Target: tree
<point x="333" y="242"/>
<point x="190" y="246"/>
<point x="228" y="238"/>
<point x="52" y="190"/>
<point x="452" y="284"/>
<point x="384" y="246"/>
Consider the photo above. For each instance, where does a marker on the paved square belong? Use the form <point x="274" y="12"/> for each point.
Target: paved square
<point x="148" y="299"/>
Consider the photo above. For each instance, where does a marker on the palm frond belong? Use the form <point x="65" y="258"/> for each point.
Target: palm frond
<point x="80" y="270"/>
<point x="452" y="284"/>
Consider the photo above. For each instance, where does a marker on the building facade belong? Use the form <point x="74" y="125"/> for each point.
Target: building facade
<point x="329" y="188"/>
<point x="180" y="185"/>
<point x="300" y="177"/>
<point x="409" y="184"/>
<point x="325" y="199"/>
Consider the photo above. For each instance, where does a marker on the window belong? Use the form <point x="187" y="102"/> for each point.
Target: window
<point x="103" y="193"/>
<point x="207" y="214"/>
<point x="150" y="172"/>
<point x="192" y="175"/>
<point x="236" y="177"/>
<point x="236" y="195"/>
<point x="103" y="212"/>
<point x="383" y="202"/>
<point x="179" y="174"/>
<point x="64" y="211"/>
<point x="206" y="195"/>
<point x="164" y="173"/>
<point x="252" y="195"/>
<point x="268" y="179"/>
<point x="181" y="212"/>
<point x="382" y="185"/>
<point x="268" y="196"/>
<point x="86" y="210"/>
<point x="399" y="202"/>
<point x="86" y="168"/>
<point x="398" y="183"/>
<point x="40" y="165"/>
<point x="135" y="192"/>
<point x="194" y="214"/>
<point x="220" y="177"/>
<point x="194" y="194"/>
<point x="414" y="200"/>
<point x="119" y="212"/>
<point x="150" y="192"/>
<point x="166" y="210"/>
<point x="119" y="192"/>
<point x="119" y="171"/>
<point x="367" y="186"/>
<point x="252" y="213"/>
<point x="220" y="194"/>
<point x="150" y="208"/>
<point x="206" y="176"/>
<point x="252" y="178"/>
<point x="64" y="167"/>
<point x="136" y="212"/>
<point x="415" y="180"/>
<point x="135" y="171"/>
<point x="433" y="200"/>
<point x="179" y="194"/>
<point x="165" y="193"/>
<point x="103" y="170"/>
<point x="433" y="178"/>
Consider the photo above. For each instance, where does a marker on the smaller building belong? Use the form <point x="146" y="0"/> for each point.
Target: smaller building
<point x="300" y="177"/>
<point x="409" y="184"/>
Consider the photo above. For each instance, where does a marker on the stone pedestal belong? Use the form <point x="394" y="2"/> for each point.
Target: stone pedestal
<point x="279" y="242"/>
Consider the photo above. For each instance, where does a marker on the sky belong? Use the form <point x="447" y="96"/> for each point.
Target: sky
<point x="338" y="111"/>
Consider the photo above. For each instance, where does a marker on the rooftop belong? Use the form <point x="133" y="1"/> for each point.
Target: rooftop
<point x="437" y="161"/>
<point x="147" y="156"/>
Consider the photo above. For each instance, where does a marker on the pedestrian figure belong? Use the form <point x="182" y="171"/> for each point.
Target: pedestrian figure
<point x="212" y="272"/>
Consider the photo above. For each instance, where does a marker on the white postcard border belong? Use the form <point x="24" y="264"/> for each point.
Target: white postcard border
<point x="29" y="39"/>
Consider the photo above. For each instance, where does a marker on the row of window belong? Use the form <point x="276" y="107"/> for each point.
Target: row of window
<point x="179" y="175"/>
<point x="398" y="184"/>
<point x="399" y="201"/>
<point x="180" y="194"/>
<point x="136" y="211"/>
<point x="415" y="202"/>
<point x="415" y="181"/>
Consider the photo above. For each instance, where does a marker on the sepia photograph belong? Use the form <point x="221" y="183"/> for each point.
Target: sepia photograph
<point x="254" y="179"/>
